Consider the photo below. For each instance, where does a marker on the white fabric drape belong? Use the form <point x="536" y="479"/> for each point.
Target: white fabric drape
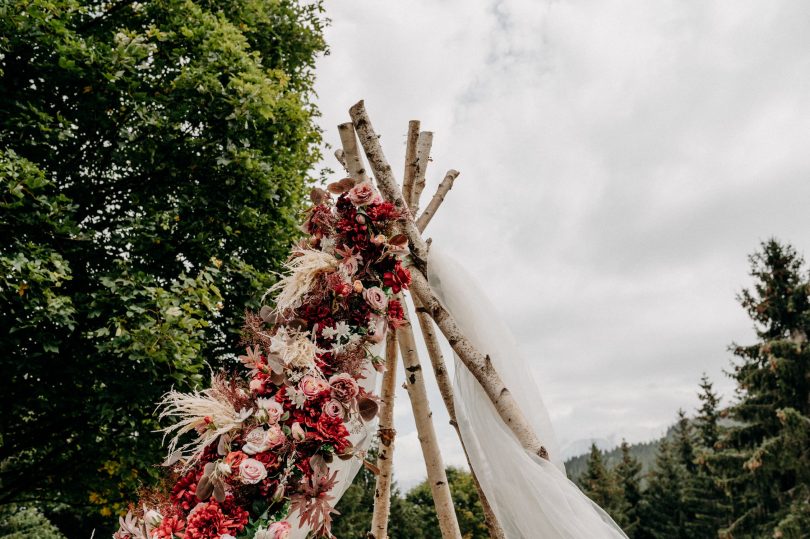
<point x="531" y="497"/>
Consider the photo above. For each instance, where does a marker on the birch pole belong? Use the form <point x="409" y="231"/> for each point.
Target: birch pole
<point x="437" y="358"/>
<point x="410" y="160"/>
<point x="423" y="145"/>
<point x="434" y="465"/>
<point x="386" y="434"/>
<point x="351" y="156"/>
<point x="479" y="364"/>
<point x="446" y="391"/>
<point x="430" y="210"/>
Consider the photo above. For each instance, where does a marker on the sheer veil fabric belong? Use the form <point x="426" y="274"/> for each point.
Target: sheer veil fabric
<point x="531" y="497"/>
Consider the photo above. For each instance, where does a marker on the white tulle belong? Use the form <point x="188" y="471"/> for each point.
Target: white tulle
<point x="532" y="497"/>
<point x="347" y="469"/>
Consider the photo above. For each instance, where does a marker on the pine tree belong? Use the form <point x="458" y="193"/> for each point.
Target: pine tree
<point x="705" y="501"/>
<point x="662" y="514"/>
<point x="708" y="414"/>
<point x="684" y="444"/>
<point x="601" y="486"/>
<point x="628" y="477"/>
<point x="764" y="456"/>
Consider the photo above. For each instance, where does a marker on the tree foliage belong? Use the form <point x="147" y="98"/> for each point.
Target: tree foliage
<point x="155" y="157"/>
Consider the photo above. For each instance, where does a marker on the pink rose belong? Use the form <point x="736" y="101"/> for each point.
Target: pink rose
<point x="362" y="194"/>
<point x="256" y="441"/>
<point x="269" y="411"/>
<point x="297" y="432"/>
<point x="277" y="530"/>
<point x="351" y="264"/>
<point x="333" y="409"/>
<point x="344" y="387"/>
<point x="375" y="298"/>
<point x="251" y="471"/>
<point x="312" y="387"/>
<point x="275" y="436"/>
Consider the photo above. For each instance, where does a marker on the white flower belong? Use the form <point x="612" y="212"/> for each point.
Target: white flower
<point x="328" y="333"/>
<point x="342" y="330"/>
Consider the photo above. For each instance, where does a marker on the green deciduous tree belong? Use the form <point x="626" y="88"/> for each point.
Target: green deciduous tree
<point x="469" y="512"/>
<point x="155" y="158"/>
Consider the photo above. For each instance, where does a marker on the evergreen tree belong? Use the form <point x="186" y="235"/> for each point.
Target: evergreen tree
<point x="765" y="458"/>
<point x="705" y="501"/>
<point x="601" y="486"/>
<point x="628" y="476"/>
<point x="708" y="414"/>
<point x="155" y="156"/>
<point x="684" y="445"/>
<point x="662" y="513"/>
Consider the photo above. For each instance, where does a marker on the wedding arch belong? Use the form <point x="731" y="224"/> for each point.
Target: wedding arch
<point x="268" y="453"/>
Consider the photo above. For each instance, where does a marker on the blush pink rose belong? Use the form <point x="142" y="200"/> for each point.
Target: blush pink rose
<point x="312" y="387"/>
<point x="275" y="436"/>
<point x="269" y="410"/>
<point x="251" y="471"/>
<point x="376" y="298"/>
<point x="344" y="387"/>
<point x="362" y="194"/>
<point x="277" y="530"/>
<point x="256" y="441"/>
<point x="333" y="408"/>
<point x="297" y="432"/>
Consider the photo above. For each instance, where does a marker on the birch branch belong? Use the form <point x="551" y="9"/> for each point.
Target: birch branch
<point x="410" y="160"/>
<point x="434" y="465"/>
<point x="423" y="146"/>
<point x="341" y="157"/>
<point x="386" y="434"/>
<point x="446" y="391"/>
<point x="386" y="181"/>
<point x="351" y="155"/>
<point x="478" y="363"/>
<point x="440" y="368"/>
<point x="436" y="201"/>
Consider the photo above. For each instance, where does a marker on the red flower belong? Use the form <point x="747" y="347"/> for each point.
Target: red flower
<point x="170" y="527"/>
<point x="382" y="212"/>
<point x="396" y="314"/>
<point x="184" y="491"/>
<point x="212" y="520"/>
<point x="333" y="430"/>
<point x="397" y="279"/>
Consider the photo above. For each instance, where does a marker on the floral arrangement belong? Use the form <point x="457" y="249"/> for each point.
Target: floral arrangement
<point x="251" y="451"/>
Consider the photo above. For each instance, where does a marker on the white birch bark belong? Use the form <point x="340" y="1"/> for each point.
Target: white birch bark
<point x="387" y="435"/>
<point x="476" y="361"/>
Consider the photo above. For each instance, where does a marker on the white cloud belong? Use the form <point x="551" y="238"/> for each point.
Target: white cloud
<point x="619" y="161"/>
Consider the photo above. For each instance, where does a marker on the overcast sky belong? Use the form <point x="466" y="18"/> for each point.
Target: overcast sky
<point x="619" y="160"/>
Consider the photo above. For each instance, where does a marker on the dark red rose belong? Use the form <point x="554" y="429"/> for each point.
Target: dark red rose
<point x="398" y="278"/>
